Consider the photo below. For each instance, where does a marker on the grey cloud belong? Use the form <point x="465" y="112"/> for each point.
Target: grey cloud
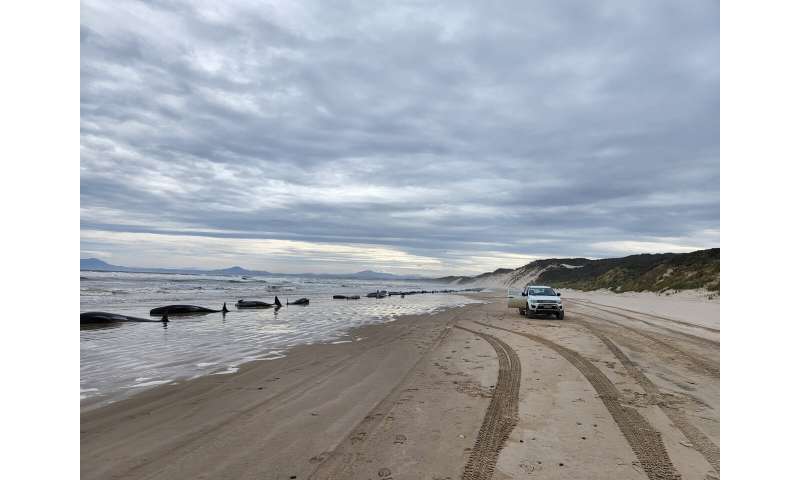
<point x="535" y="129"/>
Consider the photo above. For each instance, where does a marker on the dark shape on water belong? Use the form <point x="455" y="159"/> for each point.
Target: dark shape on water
<point x="345" y="297"/>
<point x="252" y="304"/>
<point x="258" y="304"/>
<point x="299" y="301"/>
<point x="89" y="318"/>
<point x="185" y="309"/>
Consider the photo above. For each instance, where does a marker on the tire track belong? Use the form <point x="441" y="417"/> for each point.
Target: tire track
<point x="703" y="365"/>
<point x="501" y="415"/>
<point x="693" y="338"/>
<point x="339" y="463"/>
<point x="698" y="439"/>
<point x="651" y="315"/>
<point x="644" y="440"/>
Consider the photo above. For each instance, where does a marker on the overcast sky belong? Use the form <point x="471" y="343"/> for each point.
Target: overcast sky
<point x="407" y="137"/>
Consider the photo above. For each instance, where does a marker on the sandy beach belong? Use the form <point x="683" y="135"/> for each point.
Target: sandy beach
<point x="620" y="389"/>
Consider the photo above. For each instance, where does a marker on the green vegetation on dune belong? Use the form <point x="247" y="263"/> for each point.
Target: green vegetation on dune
<point x="637" y="273"/>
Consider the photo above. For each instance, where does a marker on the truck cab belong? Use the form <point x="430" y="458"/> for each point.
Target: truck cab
<point x="536" y="300"/>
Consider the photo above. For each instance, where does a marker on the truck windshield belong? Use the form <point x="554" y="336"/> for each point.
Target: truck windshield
<point x="544" y="292"/>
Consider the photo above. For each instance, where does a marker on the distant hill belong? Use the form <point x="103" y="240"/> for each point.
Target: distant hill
<point x="96" y="264"/>
<point x="646" y="272"/>
<point x="235" y="271"/>
<point x="99" y="265"/>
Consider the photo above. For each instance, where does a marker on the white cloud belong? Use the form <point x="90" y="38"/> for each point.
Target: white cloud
<point x="632" y="247"/>
<point x="287" y="256"/>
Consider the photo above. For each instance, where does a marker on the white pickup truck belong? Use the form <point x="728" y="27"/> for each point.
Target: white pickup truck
<point x="537" y="300"/>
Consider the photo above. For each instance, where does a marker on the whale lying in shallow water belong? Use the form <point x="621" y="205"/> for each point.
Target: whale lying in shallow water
<point x="299" y="301"/>
<point x="185" y="309"/>
<point x="105" y="317"/>
<point x="257" y="304"/>
<point x="252" y="304"/>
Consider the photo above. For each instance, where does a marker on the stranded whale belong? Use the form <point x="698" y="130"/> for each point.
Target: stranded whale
<point x="257" y="304"/>
<point x="299" y="301"/>
<point x="184" y="309"/>
<point x="252" y="304"/>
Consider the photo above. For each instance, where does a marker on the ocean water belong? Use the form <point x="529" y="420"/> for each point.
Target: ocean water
<point x="121" y="359"/>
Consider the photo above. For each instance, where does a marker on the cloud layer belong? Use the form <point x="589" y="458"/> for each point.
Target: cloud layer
<point x="455" y="138"/>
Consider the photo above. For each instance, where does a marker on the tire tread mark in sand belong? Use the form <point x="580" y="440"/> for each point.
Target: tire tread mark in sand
<point x="651" y="315"/>
<point x="501" y="415"/>
<point x="704" y="365"/>
<point x="644" y="440"/>
<point x="693" y="338"/>
<point x="340" y="461"/>
<point x="701" y="442"/>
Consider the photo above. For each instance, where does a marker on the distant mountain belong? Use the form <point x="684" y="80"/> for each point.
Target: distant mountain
<point x="237" y="271"/>
<point x="96" y="264"/>
<point x="99" y="265"/>
<point x="647" y="272"/>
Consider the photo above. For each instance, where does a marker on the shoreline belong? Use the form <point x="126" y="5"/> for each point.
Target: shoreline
<point x="415" y="397"/>
<point x="232" y="367"/>
<point x="211" y="403"/>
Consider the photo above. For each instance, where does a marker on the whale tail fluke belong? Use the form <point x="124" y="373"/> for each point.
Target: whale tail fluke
<point x="225" y="307"/>
<point x="278" y="302"/>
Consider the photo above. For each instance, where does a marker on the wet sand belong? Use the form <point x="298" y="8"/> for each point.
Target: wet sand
<point x="473" y="392"/>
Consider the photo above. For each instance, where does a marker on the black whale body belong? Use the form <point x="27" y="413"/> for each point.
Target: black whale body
<point x="258" y="304"/>
<point x="184" y="309"/>
<point x="88" y="318"/>
<point x="252" y="304"/>
<point x="300" y="301"/>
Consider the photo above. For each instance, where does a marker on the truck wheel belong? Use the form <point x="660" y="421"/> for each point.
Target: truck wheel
<point x="528" y="313"/>
<point x="522" y="311"/>
<point x="560" y="315"/>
